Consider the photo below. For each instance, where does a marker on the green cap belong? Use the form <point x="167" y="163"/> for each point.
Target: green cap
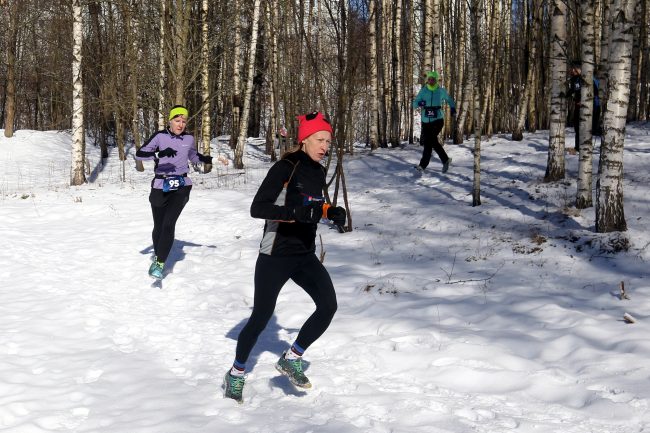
<point x="433" y="74"/>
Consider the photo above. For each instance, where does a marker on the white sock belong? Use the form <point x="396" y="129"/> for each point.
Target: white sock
<point x="291" y="355"/>
<point x="234" y="371"/>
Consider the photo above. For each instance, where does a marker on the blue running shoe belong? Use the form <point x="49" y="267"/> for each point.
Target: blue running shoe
<point x="156" y="269"/>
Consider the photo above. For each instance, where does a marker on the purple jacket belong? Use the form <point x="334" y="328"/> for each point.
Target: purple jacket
<point x="185" y="149"/>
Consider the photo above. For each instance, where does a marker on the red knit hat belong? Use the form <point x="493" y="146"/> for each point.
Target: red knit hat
<point x="311" y="123"/>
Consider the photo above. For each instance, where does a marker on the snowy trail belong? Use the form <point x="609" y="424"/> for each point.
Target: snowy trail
<point x="444" y="324"/>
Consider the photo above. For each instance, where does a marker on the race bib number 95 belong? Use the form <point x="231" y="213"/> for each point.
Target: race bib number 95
<point x="172" y="183"/>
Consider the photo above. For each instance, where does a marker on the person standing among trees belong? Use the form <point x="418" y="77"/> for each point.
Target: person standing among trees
<point x="170" y="148"/>
<point x="290" y="200"/>
<point x="574" y="92"/>
<point x="430" y="99"/>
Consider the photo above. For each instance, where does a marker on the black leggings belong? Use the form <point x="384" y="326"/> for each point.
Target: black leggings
<point x="271" y="273"/>
<point x="429" y="138"/>
<point x="166" y="207"/>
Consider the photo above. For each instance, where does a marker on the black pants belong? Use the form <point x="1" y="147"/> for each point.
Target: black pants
<point x="166" y="207"/>
<point x="595" y="123"/>
<point x="271" y="273"/>
<point x="429" y="138"/>
<point x="576" y="126"/>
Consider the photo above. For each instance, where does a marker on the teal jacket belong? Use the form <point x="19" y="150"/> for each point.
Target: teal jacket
<point x="430" y="103"/>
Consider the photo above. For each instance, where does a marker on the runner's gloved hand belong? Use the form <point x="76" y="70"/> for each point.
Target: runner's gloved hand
<point x="168" y="152"/>
<point x="337" y="215"/>
<point x="205" y="159"/>
<point x="310" y="213"/>
<point x="421" y="104"/>
<point x="453" y="111"/>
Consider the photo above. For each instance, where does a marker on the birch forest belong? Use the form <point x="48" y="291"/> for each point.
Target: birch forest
<point x="246" y="68"/>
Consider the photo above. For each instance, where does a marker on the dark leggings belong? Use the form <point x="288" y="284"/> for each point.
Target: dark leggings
<point x="576" y="125"/>
<point x="166" y="207"/>
<point x="271" y="273"/>
<point x="595" y="124"/>
<point x="429" y="139"/>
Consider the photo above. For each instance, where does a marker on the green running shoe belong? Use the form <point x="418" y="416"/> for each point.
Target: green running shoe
<point x="234" y="386"/>
<point x="156" y="269"/>
<point x="292" y="368"/>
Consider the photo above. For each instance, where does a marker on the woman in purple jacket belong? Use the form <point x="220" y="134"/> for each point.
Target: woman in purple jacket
<point x="170" y="148"/>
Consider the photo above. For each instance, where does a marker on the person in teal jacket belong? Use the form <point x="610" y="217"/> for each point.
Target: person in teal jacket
<point x="430" y="99"/>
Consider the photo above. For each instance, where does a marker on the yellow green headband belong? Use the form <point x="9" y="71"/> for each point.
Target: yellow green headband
<point x="176" y="111"/>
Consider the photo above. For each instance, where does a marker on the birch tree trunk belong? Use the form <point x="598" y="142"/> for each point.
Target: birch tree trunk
<point x="464" y="79"/>
<point x="477" y="12"/>
<point x="396" y="68"/>
<point x="517" y="134"/>
<point x="78" y="177"/>
<point x="385" y="45"/>
<point x="272" y="19"/>
<point x="236" y="77"/>
<point x="610" y="215"/>
<point x="604" y="55"/>
<point x="585" y="170"/>
<point x="241" y="142"/>
<point x="162" y="75"/>
<point x="635" y="79"/>
<point x="427" y="36"/>
<point x="205" y="86"/>
<point x="555" y="166"/>
<point x="644" y="98"/>
<point x="10" y="99"/>
<point x="436" y="36"/>
<point x="374" y="84"/>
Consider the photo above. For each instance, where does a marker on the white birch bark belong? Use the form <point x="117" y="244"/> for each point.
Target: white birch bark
<point x="427" y="57"/>
<point x="236" y="77"/>
<point x="78" y="177"/>
<point x="610" y="215"/>
<point x="374" y="85"/>
<point x="241" y="141"/>
<point x="436" y="37"/>
<point x="477" y="13"/>
<point x="555" y="166"/>
<point x="205" y="85"/>
<point x="585" y="182"/>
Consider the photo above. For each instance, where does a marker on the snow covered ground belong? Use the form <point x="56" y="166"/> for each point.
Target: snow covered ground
<point x="506" y="317"/>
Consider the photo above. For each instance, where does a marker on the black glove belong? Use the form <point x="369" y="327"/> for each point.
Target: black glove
<point x="205" y="159"/>
<point x="311" y="213"/>
<point x="453" y="111"/>
<point x="421" y="104"/>
<point x="169" y="152"/>
<point x="144" y="154"/>
<point x="336" y="215"/>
